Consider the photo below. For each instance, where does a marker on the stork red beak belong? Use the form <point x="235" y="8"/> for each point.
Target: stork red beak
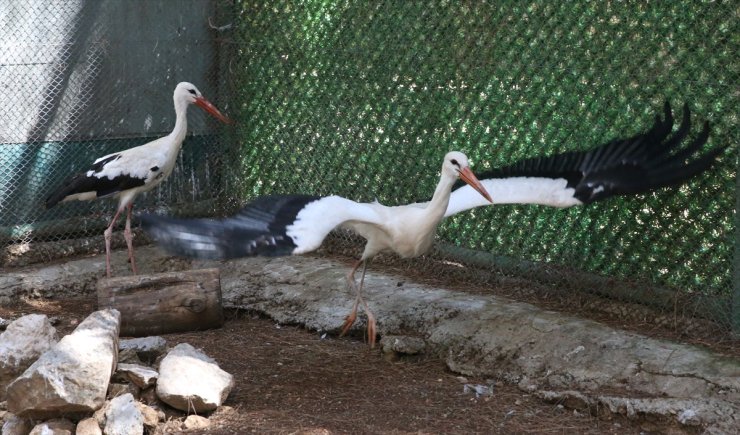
<point x="210" y="108"/>
<point x="469" y="177"/>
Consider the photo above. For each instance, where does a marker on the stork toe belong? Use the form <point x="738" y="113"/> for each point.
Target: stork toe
<point x="372" y="330"/>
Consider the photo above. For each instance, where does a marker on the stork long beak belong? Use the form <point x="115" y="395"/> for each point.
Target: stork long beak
<point x="210" y="108"/>
<point x="469" y="177"/>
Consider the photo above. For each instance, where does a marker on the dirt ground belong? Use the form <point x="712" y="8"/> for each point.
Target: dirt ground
<point x="289" y="380"/>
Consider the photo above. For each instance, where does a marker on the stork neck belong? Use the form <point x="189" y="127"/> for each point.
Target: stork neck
<point x="181" y="122"/>
<point x="441" y="198"/>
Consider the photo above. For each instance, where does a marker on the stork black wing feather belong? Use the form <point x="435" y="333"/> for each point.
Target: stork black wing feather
<point x="641" y="163"/>
<point x="92" y="181"/>
<point x="258" y="229"/>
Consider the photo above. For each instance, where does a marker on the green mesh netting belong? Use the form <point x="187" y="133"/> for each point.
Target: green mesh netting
<point x="363" y="99"/>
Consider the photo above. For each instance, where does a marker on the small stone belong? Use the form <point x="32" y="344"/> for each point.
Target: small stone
<point x="123" y="417"/>
<point x="147" y="348"/>
<point x="88" y="426"/>
<point x="689" y="417"/>
<point x="151" y="416"/>
<point x="403" y="344"/>
<point x="58" y="426"/>
<point x="99" y="415"/>
<point x="195" y="422"/>
<point x="141" y="376"/>
<point x="191" y="381"/>
<point x="15" y="425"/>
<point x="128" y="356"/>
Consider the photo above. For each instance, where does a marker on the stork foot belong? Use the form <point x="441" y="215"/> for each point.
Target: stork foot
<point x="350" y="319"/>
<point x="372" y="330"/>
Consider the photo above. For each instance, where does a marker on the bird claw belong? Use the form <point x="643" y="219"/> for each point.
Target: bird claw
<point x="348" y="322"/>
<point x="372" y="331"/>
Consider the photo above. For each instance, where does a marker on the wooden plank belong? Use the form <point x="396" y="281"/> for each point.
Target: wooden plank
<point x="165" y="302"/>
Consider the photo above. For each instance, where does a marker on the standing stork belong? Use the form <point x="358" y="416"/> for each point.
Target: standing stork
<point x="296" y="224"/>
<point x="127" y="173"/>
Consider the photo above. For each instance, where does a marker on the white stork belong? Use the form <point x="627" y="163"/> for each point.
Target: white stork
<point x="127" y="173"/>
<point x="296" y="224"/>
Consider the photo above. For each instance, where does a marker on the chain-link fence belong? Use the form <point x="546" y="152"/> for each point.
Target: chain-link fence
<point x="363" y="99"/>
<point x="82" y="79"/>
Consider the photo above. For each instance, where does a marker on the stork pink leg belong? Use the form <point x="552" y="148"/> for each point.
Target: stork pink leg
<point x="129" y="238"/>
<point x="352" y="316"/>
<point x="371" y="324"/>
<point x="108" y="233"/>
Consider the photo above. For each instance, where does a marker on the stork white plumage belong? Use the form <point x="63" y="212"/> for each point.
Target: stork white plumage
<point x="296" y="224"/>
<point x="125" y="174"/>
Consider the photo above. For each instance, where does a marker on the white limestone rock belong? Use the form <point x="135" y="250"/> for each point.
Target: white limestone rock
<point x="141" y="376"/>
<point x="147" y="348"/>
<point x="123" y="417"/>
<point x="88" y="426"/>
<point x="23" y="341"/>
<point x="72" y="377"/>
<point x="58" y="426"/>
<point x="191" y="381"/>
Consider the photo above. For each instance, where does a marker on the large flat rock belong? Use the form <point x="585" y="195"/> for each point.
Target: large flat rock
<point x="72" y="377"/>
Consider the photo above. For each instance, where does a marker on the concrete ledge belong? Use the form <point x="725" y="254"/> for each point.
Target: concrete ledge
<point x="558" y="357"/>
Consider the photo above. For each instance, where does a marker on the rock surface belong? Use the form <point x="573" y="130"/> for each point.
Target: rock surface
<point x="123" y="417"/>
<point x="23" y="341"/>
<point x="150" y="415"/>
<point x="15" y="425"/>
<point x="73" y="376"/>
<point x="402" y="344"/>
<point x="88" y="426"/>
<point x="59" y="426"/>
<point x="141" y="376"/>
<point x="191" y="381"/>
<point x="148" y="349"/>
<point x="193" y="422"/>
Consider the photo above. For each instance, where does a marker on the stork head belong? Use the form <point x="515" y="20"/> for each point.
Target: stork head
<point x="456" y="165"/>
<point x="189" y="94"/>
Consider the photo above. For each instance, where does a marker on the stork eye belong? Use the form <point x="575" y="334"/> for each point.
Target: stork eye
<point x="454" y="162"/>
<point x="192" y="91"/>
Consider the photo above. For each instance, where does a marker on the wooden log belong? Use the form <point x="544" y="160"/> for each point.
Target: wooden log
<point x="164" y="302"/>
